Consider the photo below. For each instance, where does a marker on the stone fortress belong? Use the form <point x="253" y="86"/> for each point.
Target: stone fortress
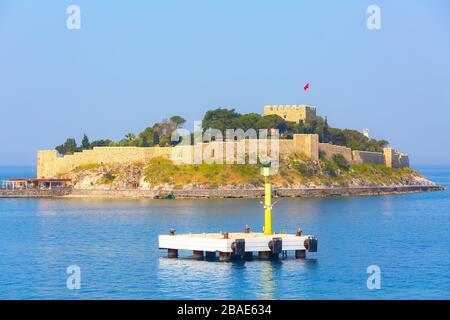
<point x="50" y="165"/>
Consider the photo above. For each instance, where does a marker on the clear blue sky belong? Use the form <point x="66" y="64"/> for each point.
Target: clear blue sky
<point x="136" y="62"/>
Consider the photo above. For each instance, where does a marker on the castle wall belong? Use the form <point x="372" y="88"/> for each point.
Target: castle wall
<point x="49" y="165"/>
<point x="329" y="150"/>
<point x="360" y="157"/>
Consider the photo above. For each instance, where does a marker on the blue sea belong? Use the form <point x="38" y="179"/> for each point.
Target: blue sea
<point x="114" y="244"/>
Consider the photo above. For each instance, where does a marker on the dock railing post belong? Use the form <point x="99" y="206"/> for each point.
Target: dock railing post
<point x="172" y="253"/>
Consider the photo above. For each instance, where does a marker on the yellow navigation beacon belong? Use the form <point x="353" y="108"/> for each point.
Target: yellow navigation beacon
<point x="267" y="200"/>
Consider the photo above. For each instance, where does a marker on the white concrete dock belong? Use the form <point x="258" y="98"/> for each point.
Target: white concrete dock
<point x="239" y="244"/>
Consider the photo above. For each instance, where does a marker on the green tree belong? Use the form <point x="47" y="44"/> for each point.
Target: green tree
<point x="301" y="127"/>
<point x="178" y="121"/>
<point x="164" y="140"/>
<point x="68" y="147"/>
<point x="150" y="135"/>
<point x="220" y="119"/>
<point x="246" y="121"/>
<point x="102" y="143"/>
<point x="337" y="137"/>
<point x="272" y="122"/>
<point x="123" y="143"/>
<point x="326" y="136"/>
<point x="144" y="142"/>
<point x="85" y="144"/>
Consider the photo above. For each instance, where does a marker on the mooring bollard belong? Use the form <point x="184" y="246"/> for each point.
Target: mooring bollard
<point x="276" y="247"/>
<point x="238" y="247"/>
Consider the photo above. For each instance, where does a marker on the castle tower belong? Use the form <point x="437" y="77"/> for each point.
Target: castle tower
<point x="292" y="113"/>
<point x="46" y="164"/>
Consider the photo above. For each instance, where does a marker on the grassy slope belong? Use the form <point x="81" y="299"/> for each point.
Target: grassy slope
<point x="295" y="170"/>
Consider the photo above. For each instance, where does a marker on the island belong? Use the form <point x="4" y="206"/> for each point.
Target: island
<point x="223" y="158"/>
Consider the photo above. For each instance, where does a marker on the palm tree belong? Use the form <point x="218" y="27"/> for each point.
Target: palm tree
<point x="130" y="136"/>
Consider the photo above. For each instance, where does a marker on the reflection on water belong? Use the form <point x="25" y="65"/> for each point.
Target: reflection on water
<point x="267" y="280"/>
<point x="257" y="279"/>
<point x="387" y="206"/>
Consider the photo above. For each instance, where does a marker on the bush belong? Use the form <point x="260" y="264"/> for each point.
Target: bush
<point x="340" y="161"/>
<point x="283" y="173"/>
<point x="108" y="177"/>
<point x="301" y="168"/>
<point x="329" y="169"/>
<point x="89" y="166"/>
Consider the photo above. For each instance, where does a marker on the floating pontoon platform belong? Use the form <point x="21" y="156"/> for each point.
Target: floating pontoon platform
<point x="238" y="245"/>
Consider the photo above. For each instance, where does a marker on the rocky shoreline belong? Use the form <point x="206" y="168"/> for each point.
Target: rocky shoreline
<point x="219" y="193"/>
<point x="296" y="177"/>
